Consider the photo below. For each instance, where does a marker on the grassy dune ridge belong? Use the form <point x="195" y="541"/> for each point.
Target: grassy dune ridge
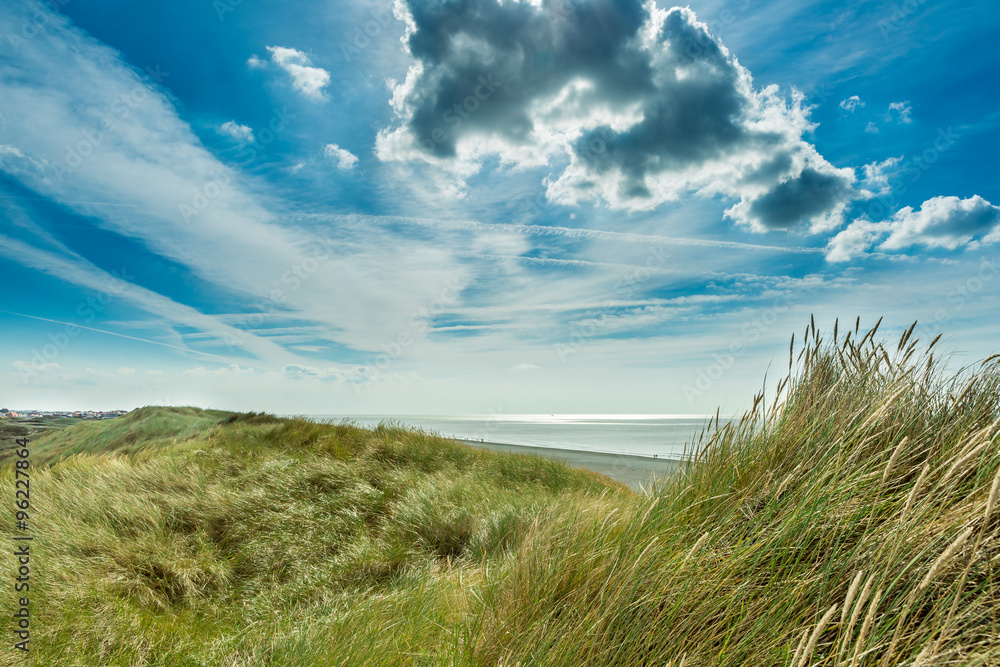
<point x="849" y="520"/>
<point x="177" y="536"/>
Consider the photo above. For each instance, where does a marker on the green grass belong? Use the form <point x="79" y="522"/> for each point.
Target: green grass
<point x="851" y="521"/>
<point x="12" y="429"/>
<point x="140" y="429"/>
<point x="177" y="536"/>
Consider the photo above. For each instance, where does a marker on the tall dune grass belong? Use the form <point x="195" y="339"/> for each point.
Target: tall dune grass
<point x="186" y="537"/>
<point x="853" y="521"/>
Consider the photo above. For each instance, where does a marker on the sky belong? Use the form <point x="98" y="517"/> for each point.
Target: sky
<point x="483" y="206"/>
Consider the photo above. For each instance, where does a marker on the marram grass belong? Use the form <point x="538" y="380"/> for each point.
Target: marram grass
<point x="852" y="522"/>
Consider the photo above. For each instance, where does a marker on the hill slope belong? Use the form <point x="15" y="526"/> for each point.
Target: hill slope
<point x="142" y="428"/>
<point x="183" y="536"/>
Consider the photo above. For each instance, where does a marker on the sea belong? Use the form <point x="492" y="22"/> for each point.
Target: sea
<point x="650" y="435"/>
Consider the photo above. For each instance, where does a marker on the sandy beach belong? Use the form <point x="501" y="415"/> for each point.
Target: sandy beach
<point x="638" y="472"/>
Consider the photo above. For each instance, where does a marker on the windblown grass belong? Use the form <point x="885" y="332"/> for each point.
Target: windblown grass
<point x="205" y="538"/>
<point x="852" y="521"/>
<point x="140" y="429"/>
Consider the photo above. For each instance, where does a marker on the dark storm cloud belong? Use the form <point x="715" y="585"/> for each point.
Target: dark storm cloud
<point x="485" y="64"/>
<point x="645" y="104"/>
<point x="799" y="199"/>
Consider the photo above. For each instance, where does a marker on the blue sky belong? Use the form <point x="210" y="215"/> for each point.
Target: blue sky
<point x="448" y="207"/>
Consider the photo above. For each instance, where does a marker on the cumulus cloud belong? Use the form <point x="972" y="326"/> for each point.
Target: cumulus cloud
<point x="900" y="112"/>
<point x="876" y="176"/>
<point x="635" y="105"/>
<point x="819" y="197"/>
<point x="254" y="62"/>
<point x="871" y="127"/>
<point x="345" y="159"/>
<point x="946" y="223"/>
<point x="241" y="133"/>
<point x="310" y="81"/>
<point x="855" y="241"/>
<point x="851" y="103"/>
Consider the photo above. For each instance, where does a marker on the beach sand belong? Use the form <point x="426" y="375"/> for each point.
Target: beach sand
<point x="638" y="472"/>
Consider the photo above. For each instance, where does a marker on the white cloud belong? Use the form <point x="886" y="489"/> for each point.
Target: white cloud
<point x="344" y="158"/>
<point x="854" y="242"/>
<point x="943" y="222"/>
<point x="241" y="133"/>
<point x="900" y="111"/>
<point x="310" y="81"/>
<point x="947" y="223"/>
<point x="526" y="367"/>
<point x="254" y="62"/>
<point x="13" y="161"/>
<point x="871" y="127"/>
<point x="851" y="103"/>
<point x="309" y="348"/>
<point x="876" y="176"/>
<point x="9" y="151"/>
<point x="62" y="84"/>
<point x="298" y="371"/>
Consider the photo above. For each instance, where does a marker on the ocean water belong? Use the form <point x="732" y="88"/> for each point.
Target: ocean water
<point x="638" y="435"/>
